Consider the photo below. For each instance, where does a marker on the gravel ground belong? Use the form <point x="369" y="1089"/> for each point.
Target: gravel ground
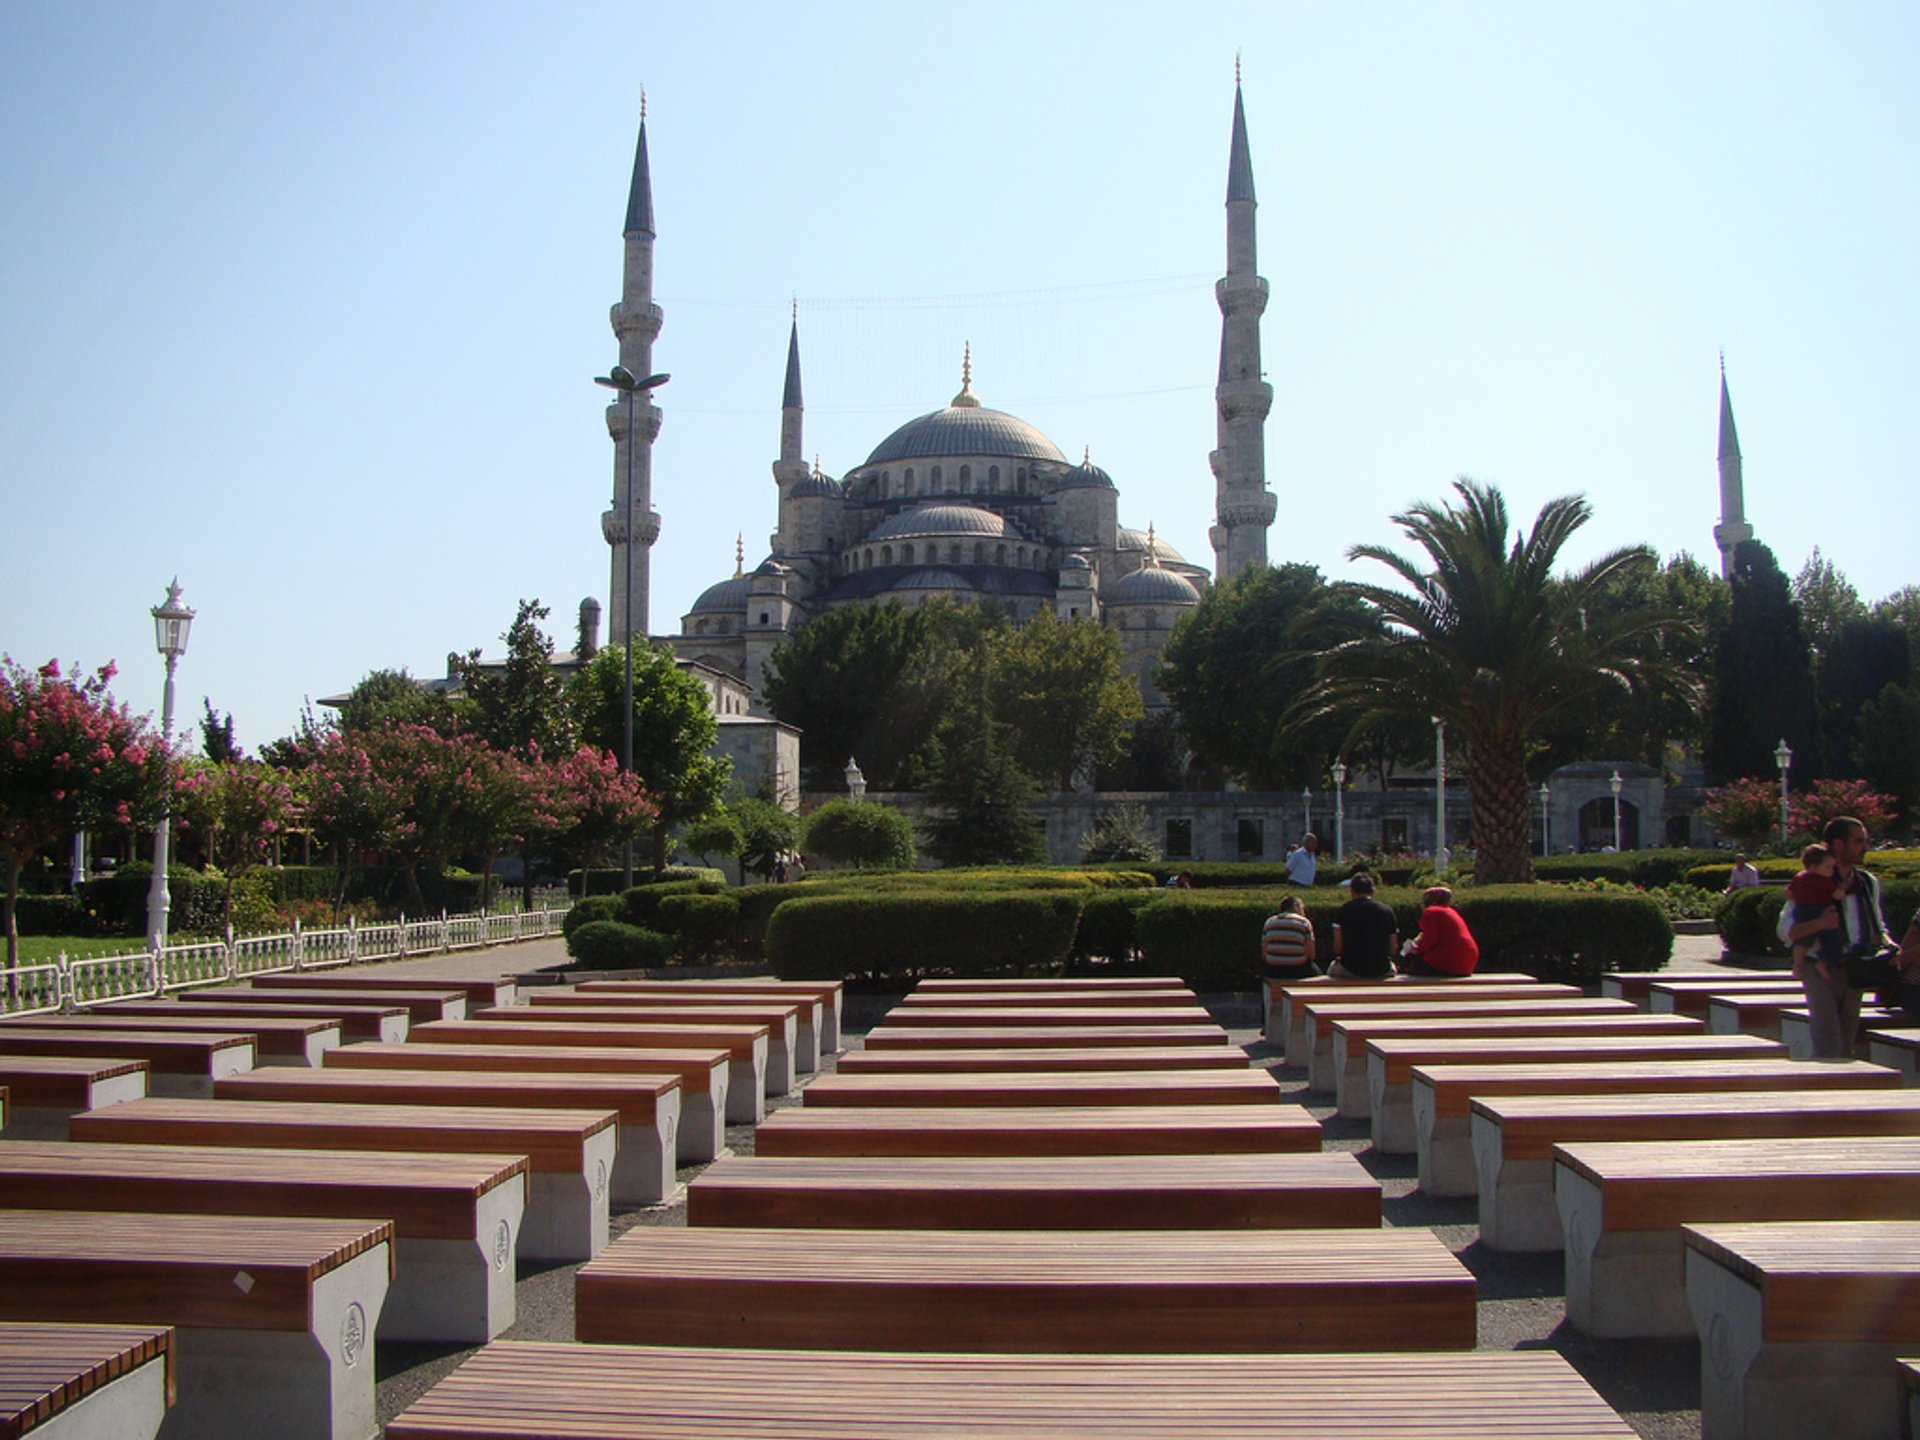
<point x="1654" y="1385"/>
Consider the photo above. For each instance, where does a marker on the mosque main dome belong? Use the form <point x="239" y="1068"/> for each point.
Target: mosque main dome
<point x="966" y="430"/>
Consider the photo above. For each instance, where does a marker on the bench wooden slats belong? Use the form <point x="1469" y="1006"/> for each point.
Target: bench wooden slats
<point x="954" y="985"/>
<point x="481" y="994"/>
<point x="368" y="1019"/>
<point x="65" y="1080"/>
<point x="1693" y="999"/>
<point x="1140" y="1057"/>
<point x="188" y="1053"/>
<point x="1744" y="1013"/>
<point x="522" y="1390"/>
<point x="93" y="1267"/>
<point x="290" y="1039"/>
<point x="1094" y="1087"/>
<point x="538" y="1027"/>
<point x="830" y="995"/>
<point x="45" y="1367"/>
<point x="1129" y="1192"/>
<point x="1456" y="1085"/>
<point x="1637" y="985"/>
<point x="992" y="1036"/>
<point x="1826" y="1280"/>
<point x="1208" y="1292"/>
<point x="428" y="1002"/>
<point x="1048" y="999"/>
<point x="1038" y="1130"/>
<point x="552" y="1140"/>
<point x="957" y="1015"/>
<point x="1287" y="1021"/>
<point x="1898" y="1050"/>
<point x="632" y="1098"/>
<point x="778" y="1020"/>
<point x="1796" y="1028"/>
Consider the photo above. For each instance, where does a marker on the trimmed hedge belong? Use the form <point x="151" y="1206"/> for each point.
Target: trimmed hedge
<point x="50" y="915"/>
<point x="891" y="939"/>
<point x="588" y="911"/>
<point x="707" y="926"/>
<point x="1886" y="864"/>
<point x="609" y="945"/>
<point x="641" y="905"/>
<point x="1746" y="918"/>
<point x="1652" y="868"/>
<point x="608" y="882"/>
<point x="116" y="904"/>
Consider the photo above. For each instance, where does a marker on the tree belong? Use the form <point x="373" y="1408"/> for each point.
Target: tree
<point x="1811" y="807"/>
<point x="584" y="805"/>
<point x="717" y="834"/>
<point x="1867" y="655"/>
<point x="393" y="697"/>
<point x="1763" y="685"/>
<point x="1903" y="608"/>
<point x="71" y="759"/>
<point x="1487" y="638"/>
<point x="216" y="735"/>
<point x="766" y="834"/>
<point x="1827" y="601"/>
<point x="673" y="732"/>
<point x="520" y="706"/>
<point x="1058" y="687"/>
<point x="863" y="835"/>
<point x="235" y="809"/>
<point x="980" y="792"/>
<point x="1241" y="657"/>
<point x="1887" y="745"/>
<point x="1155" y="757"/>
<point x="1746" y="811"/>
<point x="296" y="752"/>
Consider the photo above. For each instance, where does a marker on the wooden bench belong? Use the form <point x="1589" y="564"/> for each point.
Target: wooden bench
<point x="423" y="1003"/>
<point x="745" y="1045"/>
<point x="646" y="1107"/>
<point x="1318" y="1019"/>
<point x="1636" y="985"/>
<point x="1077" y="1087"/>
<point x="994" y="1037"/>
<point x="277" y="1039"/>
<point x="830" y="994"/>
<point x="1622" y="1205"/>
<point x="367" y="1019"/>
<point x="1110" y="1292"/>
<point x="803" y="1050"/>
<point x="43" y="1091"/>
<point x="697" y="1136"/>
<point x="63" y="1381"/>
<point x="1095" y="984"/>
<point x="273" y="1320"/>
<point x="1287" y="1022"/>
<point x="517" y="1390"/>
<point x="1802" y="1327"/>
<point x="1745" y="1013"/>
<point x="1351" y="1035"/>
<point x="1897" y="1049"/>
<point x="569" y="1153"/>
<point x="182" y="1063"/>
<point x="455" y="1217"/>
<point x="1671" y="999"/>
<point x="1443" y="1096"/>
<point x="1796" y="1029"/>
<point x="1048" y="1000"/>
<point x="780" y="1020"/>
<point x="1038" y="1017"/>
<point x="1514" y="1136"/>
<point x="1390" y="1065"/>
<point x="1074" y="1192"/>
<point x="850" y="1130"/>
<point x="481" y="994"/>
<point x="1139" y="1057"/>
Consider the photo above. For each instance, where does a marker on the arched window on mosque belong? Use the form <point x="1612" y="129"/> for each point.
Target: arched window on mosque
<point x="886" y="554"/>
<point x="886" y="485"/>
<point x="1000" y="554"/>
<point x="979" y="553"/>
<point x="906" y="554"/>
<point x="906" y="482"/>
<point x="869" y="559"/>
<point x="993" y="479"/>
<point x="953" y="554"/>
<point x="1020" y="481"/>
<point x="966" y="479"/>
<point x="933" y="481"/>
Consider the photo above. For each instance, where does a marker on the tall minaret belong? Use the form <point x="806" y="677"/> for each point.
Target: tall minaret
<point x="1243" y="506"/>
<point x="1733" y="527"/>
<point x="636" y="323"/>
<point x="791" y="468"/>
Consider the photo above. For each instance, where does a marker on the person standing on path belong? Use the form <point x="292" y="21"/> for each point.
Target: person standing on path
<point x="1833" y="1004"/>
<point x="1303" y="861"/>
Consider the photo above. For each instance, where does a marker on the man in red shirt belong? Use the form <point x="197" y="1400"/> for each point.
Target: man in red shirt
<point x="1444" y="946"/>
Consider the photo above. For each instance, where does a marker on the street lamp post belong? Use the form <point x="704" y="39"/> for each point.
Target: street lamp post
<point x="1614" y="782"/>
<point x="1783" y="757"/>
<point x="1306" y="810"/>
<point x="1546" y="820"/>
<point x="1440" y="856"/>
<point x="1339" y="811"/>
<point x="856" y="782"/>
<point x="621" y="379"/>
<point x="171" y="622"/>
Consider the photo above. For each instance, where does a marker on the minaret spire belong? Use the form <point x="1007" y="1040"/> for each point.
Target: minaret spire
<point x="1733" y="527"/>
<point x="636" y="324"/>
<point x="1244" y="507"/>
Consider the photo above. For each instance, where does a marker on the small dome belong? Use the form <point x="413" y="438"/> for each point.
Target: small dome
<point x="1075" y="562"/>
<point x="966" y="430"/>
<point x="933" y="580"/>
<point x="1137" y="540"/>
<point x="1153" y="586"/>
<point x="728" y="597"/>
<point x="1085" y="476"/>
<point x="940" y="520"/>
<point x="816" y="484"/>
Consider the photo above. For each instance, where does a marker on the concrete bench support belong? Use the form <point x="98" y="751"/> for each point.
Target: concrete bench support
<point x="1621" y="1284"/>
<point x="460" y="1290"/>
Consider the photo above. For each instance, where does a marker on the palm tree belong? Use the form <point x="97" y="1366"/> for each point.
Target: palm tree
<point x="1486" y="638"/>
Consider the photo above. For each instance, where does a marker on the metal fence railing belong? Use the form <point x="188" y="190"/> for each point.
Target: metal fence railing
<point x="63" y="983"/>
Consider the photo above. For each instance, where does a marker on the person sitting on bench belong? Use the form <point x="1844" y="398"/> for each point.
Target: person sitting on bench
<point x="1444" y="946"/>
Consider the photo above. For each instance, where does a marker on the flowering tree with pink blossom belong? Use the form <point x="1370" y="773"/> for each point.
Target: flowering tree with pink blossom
<point x="1810" y="809"/>
<point x="71" y="759"/>
<point x="1747" y="811"/>
<point x="584" y="805"/>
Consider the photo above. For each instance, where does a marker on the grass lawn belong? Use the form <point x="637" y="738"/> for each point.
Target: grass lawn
<point x="35" y="949"/>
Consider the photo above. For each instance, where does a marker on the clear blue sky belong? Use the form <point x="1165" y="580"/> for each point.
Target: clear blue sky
<point x="302" y="302"/>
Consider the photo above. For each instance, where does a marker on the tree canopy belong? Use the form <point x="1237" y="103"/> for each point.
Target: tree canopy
<point x="520" y="705"/>
<point x="1763" y="687"/>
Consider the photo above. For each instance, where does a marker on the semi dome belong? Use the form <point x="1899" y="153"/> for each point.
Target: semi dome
<point x="1137" y="540"/>
<point x="933" y="580"/>
<point x="966" y="430"/>
<point x="940" y="520"/>
<point x="1153" y="586"/>
<point x="1085" y="476"/>
<point x="816" y="484"/>
<point x="728" y="597"/>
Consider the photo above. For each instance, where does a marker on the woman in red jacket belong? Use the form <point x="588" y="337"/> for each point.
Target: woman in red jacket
<point x="1444" y="946"/>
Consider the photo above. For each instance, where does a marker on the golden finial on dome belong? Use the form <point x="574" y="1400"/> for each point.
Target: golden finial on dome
<point x="1086" y="454"/>
<point x="816" y="465"/>
<point x="1153" y="548"/>
<point x="739" y="555"/>
<point x="966" y="397"/>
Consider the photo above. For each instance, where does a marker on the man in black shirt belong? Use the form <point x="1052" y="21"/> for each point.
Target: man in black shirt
<point x="1365" y="936"/>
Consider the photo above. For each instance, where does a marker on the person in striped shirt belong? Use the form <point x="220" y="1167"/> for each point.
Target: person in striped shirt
<point x="1286" y="949"/>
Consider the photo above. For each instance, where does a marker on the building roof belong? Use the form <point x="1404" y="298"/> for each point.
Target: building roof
<point x="966" y="430"/>
<point x="1137" y="540"/>
<point x="640" y="194"/>
<point x="728" y="597"/>
<point x="941" y="520"/>
<point x="1151" y="585"/>
<point x="1239" y="160"/>
<point x="1085" y="476"/>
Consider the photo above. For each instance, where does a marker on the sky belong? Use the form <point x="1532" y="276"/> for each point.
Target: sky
<point x="302" y="302"/>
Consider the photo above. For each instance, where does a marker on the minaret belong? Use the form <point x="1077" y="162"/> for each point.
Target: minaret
<point x="636" y="324"/>
<point x="791" y="468"/>
<point x="1244" y="507"/>
<point x="1733" y="527"/>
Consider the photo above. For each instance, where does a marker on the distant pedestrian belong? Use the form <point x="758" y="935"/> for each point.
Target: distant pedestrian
<point x="1303" y="861"/>
<point x="1743" y="876"/>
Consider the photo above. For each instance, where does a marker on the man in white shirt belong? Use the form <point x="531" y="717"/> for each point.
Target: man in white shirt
<point x="1302" y="861"/>
<point x="1744" y="875"/>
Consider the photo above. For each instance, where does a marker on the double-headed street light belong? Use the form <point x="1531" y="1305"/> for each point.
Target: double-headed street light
<point x="620" y="378"/>
<point x="1783" y="757"/>
<point x="1339" y="773"/>
<point x="856" y="782"/>
<point x="171" y="622"/>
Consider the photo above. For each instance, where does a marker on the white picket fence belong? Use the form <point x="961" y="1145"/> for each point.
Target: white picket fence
<point x="59" y="984"/>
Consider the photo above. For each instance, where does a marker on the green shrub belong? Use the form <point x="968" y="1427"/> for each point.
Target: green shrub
<point x="891" y="939"/>
<point x="50" y="915"/>
<point x="588" y="911"/>
<point x="116" y="904"/>
<point x="609" y="945"/>
<point x="849" y="833"/>
<point x="1651" y="868"/>
<point x="641" y="905"/>
<point x="1109" y="925"/>
<point x="1746" y="918"/>
<point x="707" y="926"/>
<point x="609" y="882"/>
